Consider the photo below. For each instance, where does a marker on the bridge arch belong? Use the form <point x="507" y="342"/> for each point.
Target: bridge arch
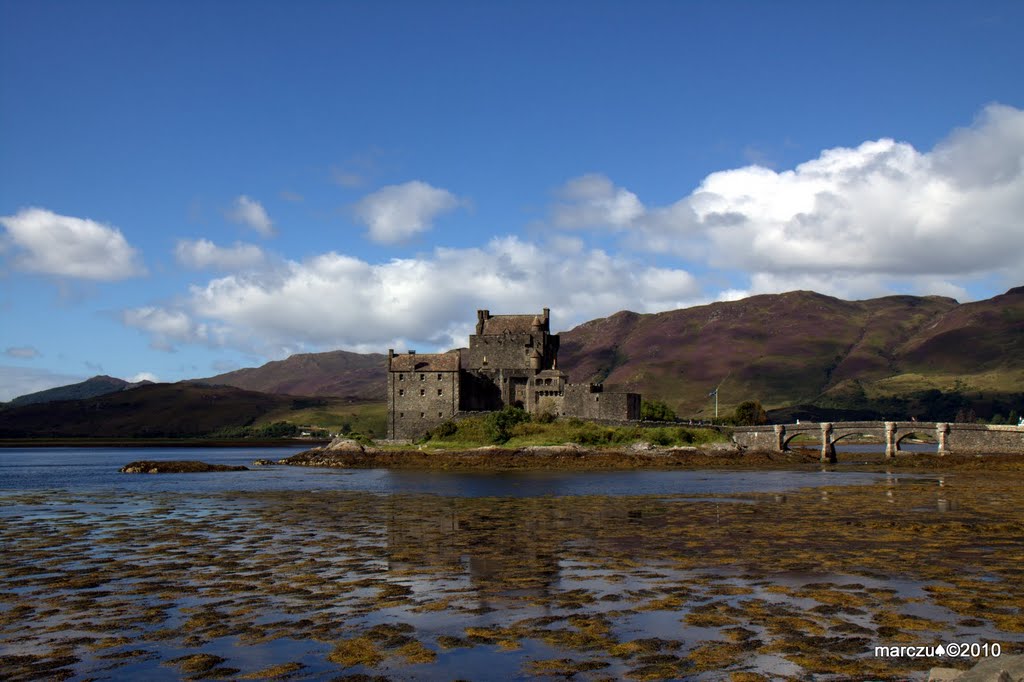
<point x="869" y="432"/>
<point x="814" y="434"/>
<point x="925" y="435"/>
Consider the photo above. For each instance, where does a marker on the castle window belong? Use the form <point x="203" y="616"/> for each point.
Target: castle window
<point x="401" y="377"/>
<point x="422" y="415"/>
<point x="439" y="391"/>
<point x="423" y="392"/>
<point x="401" y="414"/>
<point x="438" y="376"/>
<point x="401" y="391"/>
<point x="547" y="381"/>
<point x="423" y="377"/>
<point x="439" y="414"/>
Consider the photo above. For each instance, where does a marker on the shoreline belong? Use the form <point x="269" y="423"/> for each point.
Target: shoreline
<point x="154" y="443"/>
<point x="575" y="458"/>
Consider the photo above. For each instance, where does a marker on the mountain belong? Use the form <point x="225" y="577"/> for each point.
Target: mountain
<point x="96" y="386"/>
<point x="804" y="347"/>
<point x="335" y="373"/>
<point x="149" y="411"/>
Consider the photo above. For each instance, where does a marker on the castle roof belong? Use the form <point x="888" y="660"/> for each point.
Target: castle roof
<point x="427" y="362"/>
<point x="512" y="324"/>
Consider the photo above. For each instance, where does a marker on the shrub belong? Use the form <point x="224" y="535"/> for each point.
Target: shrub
<point x="499" y="424"/>
<point x="544" y="418"/>
<point x="656" y="411"/>
<point x="750" y="413"/>
<point x="445" y="430"/>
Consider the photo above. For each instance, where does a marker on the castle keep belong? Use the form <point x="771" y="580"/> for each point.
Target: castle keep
<point x="512" y="360"/>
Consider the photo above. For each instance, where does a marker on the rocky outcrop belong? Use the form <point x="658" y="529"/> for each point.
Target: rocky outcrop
<point x="176" y="467"/>
<point x="993" y="669"/>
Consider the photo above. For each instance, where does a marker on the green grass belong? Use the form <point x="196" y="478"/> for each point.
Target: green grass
<point x="474" y="432"/>
<point x="337" y="415"/>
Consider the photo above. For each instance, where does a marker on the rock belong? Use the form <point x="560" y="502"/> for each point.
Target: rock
<point x="263" y="463"/>
<point x="991" y="669"/>
<point x="176" y="467"/>
<point x="640" y="447"/>
<point x="342" y="444"/>
<point x="568" y="448"/>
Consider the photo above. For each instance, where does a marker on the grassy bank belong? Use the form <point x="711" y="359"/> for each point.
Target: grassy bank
<point x="517" y="429"/>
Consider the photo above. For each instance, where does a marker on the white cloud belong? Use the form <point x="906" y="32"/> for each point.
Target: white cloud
<point x="22" y="352"/>
<point x="593" y="201"/>
<point x="334" y="300"/>
<point x="873" y="219"/>
<point x="165" y="327"/>
<point x="53" y="244"/>
<point x="142" y="376"/>
<point x="19" y="381"/>
<point x="249" y="212"/>
<point x="201" y="253"/>
<point x="397" y="212"/>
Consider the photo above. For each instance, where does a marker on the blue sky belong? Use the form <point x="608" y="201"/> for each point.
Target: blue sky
<point x="190" y="187"/>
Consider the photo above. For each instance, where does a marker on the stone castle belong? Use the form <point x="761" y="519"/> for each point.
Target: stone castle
<point x="512" y="360"/>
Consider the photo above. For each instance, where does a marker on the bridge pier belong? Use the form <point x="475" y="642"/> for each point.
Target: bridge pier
<point x="780" y="437"/>
<point x="942" y="436"/>
<point x="828" y="448"/>
<point x="891" y="442"/>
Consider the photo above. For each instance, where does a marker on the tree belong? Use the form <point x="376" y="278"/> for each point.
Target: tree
<point x="750" y="413"/>
<point x="499" y="424"/>
<point x="656" y="411"/>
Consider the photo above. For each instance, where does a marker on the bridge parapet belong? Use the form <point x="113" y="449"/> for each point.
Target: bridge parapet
<point x="949" y="437"/>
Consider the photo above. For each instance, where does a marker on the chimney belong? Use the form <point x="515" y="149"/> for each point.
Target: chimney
<point x="547" y="318"/>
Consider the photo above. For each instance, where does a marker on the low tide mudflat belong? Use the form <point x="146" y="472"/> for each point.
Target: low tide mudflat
<point x="315" y="582"/>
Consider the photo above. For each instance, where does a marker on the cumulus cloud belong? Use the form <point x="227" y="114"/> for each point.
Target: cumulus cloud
<point x="18" y="381"/>
<point x="202" y="254"/>
<point x="395" y="213"/>
<point x="22" y="352"/>
<point x="334" y="300"/>
<point x="853" y="220"/>
<point x="165" y="327"/>
<point x="47" y="243"/>
<point x="249" y="212"/>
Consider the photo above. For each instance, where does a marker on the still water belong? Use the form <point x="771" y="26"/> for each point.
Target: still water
<point x="310" y="574"/>
<point x="96" y="469"/>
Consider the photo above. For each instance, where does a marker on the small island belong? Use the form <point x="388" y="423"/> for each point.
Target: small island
<point x="146" y="466"/>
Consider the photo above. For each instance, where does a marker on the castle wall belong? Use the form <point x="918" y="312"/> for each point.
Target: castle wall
<point x="588" y="401"/>
<point x="507" y="351"/>
<point x="423" y="392"/>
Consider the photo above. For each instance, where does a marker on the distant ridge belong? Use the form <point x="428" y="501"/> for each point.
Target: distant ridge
<point x="802" y="347"/>
<point x="334" y="373"/>
<point x="149" y="411"/>
<point x="90" y="388"/>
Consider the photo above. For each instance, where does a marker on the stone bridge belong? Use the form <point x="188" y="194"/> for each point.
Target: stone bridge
<point x="949" y="437"/>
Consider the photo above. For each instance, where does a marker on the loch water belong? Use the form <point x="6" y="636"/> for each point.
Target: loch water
<point x="303" y="573"/>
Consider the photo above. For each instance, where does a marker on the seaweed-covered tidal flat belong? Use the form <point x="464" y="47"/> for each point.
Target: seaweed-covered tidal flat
<point x="291" y="584"/>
